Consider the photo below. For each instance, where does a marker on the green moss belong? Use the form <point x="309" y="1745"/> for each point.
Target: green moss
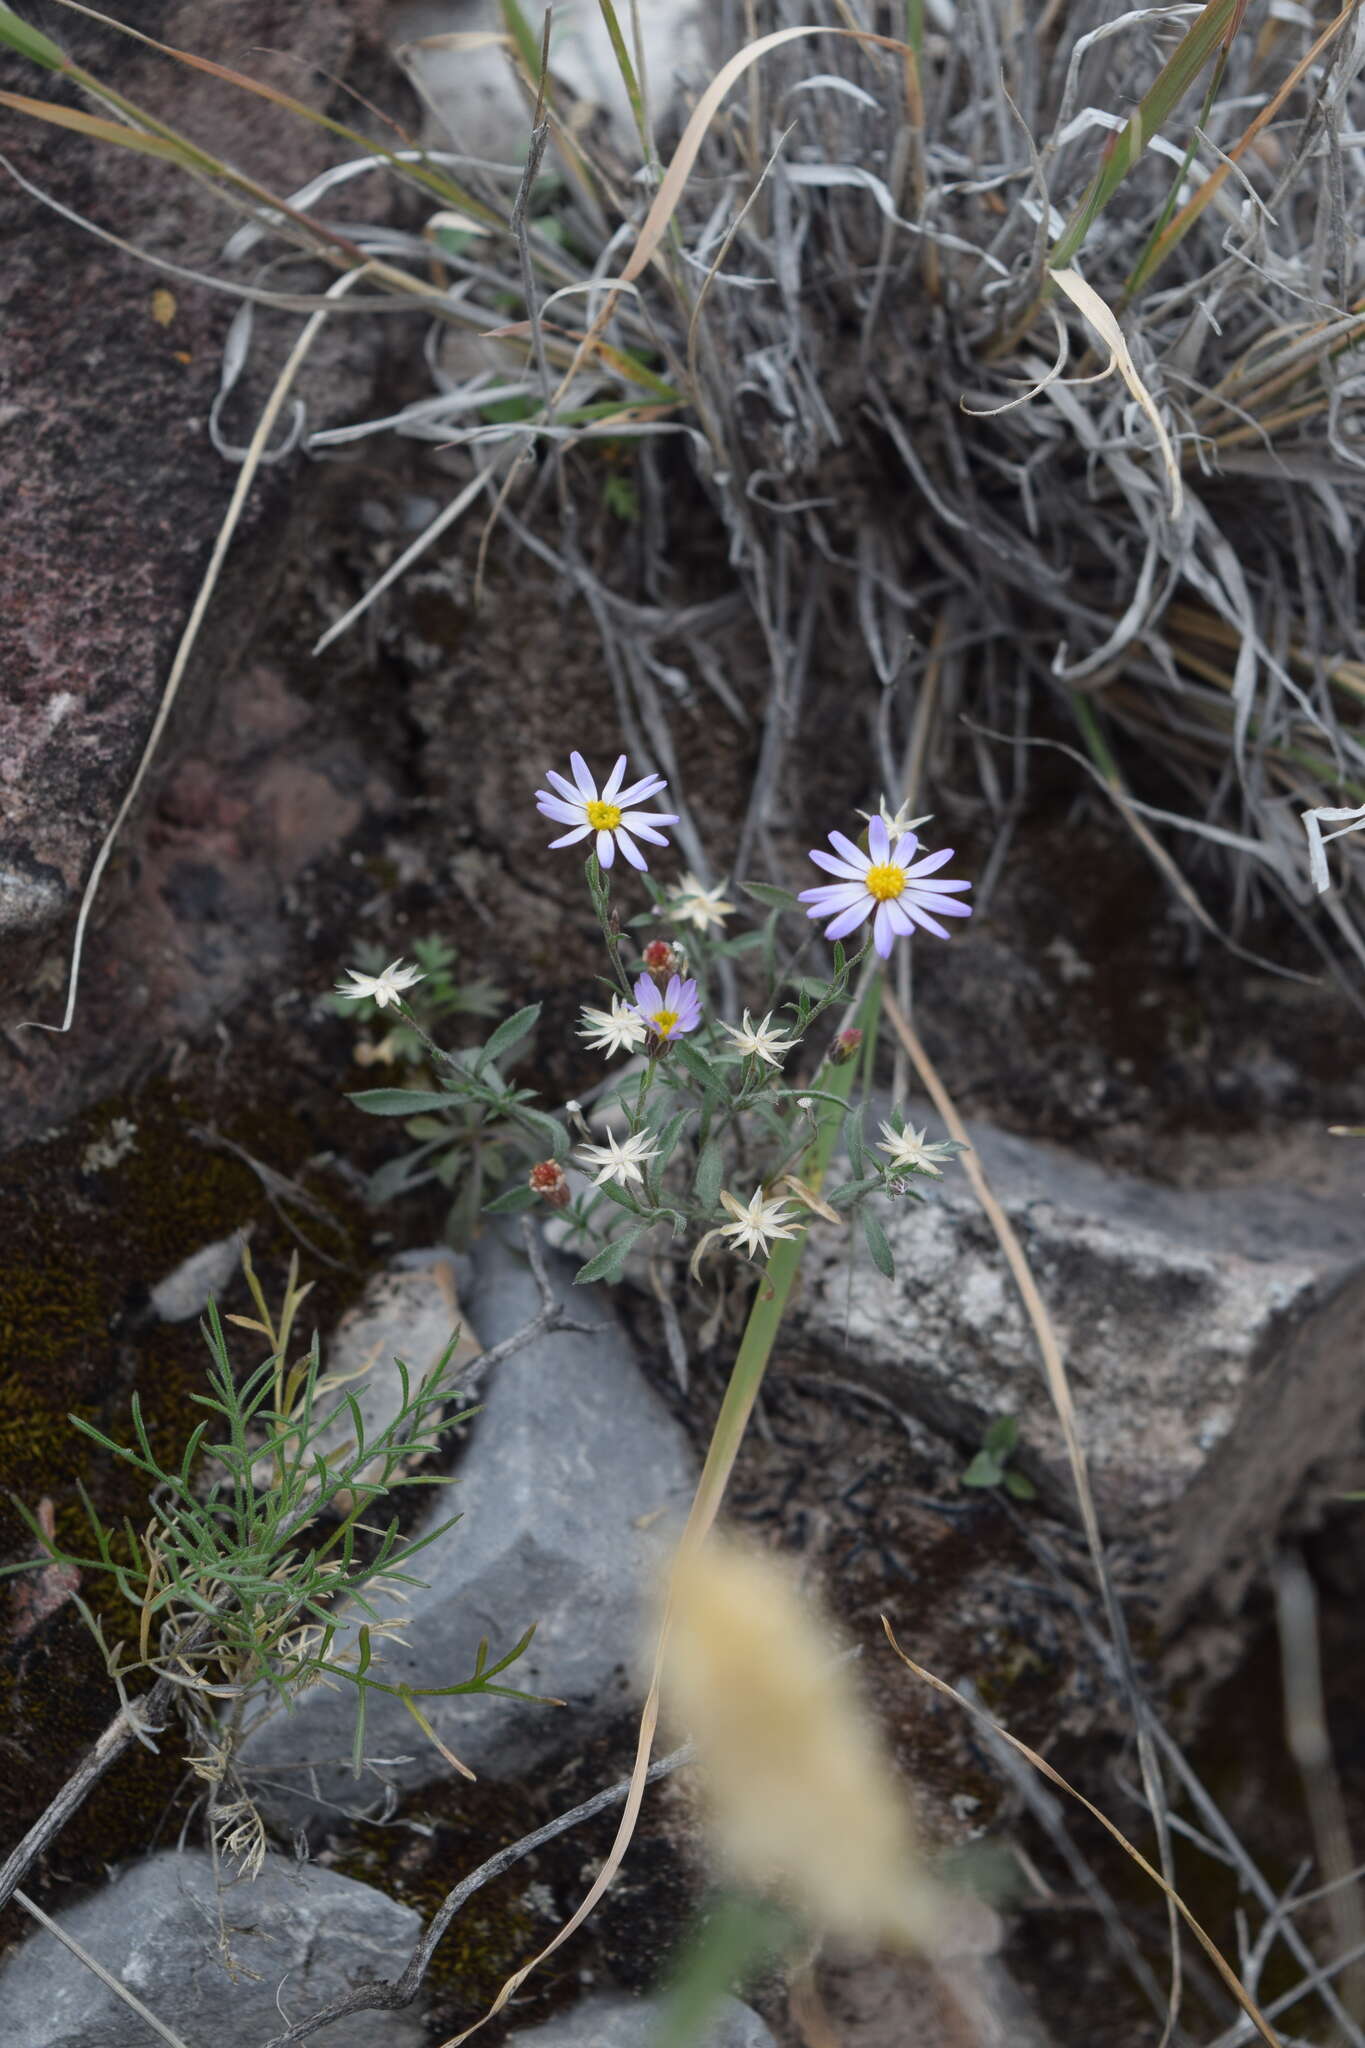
<point x="462" y="1826"/>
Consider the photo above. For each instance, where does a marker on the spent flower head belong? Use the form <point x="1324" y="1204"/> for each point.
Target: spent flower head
<point x="670" y="1014"/>
<point x="886" y="884"/>
<point x="758" y="1221"/>
<point x="664" y="956"/>
<point x="693" y="903"/>
<point x="907" y="1152"/>
<point x="619" y="1160"/>
<point x="548" y="1179"/>
<point x="759" y="1041"/>
<point x="381" y="989"/>
<point x="618" y="1029"/>
<point x="609" y="815"/>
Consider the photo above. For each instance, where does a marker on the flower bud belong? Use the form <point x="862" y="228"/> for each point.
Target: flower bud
<point x="665" y="956"/>
<point x="845" y="1047"/>
<point x="548" y="1180"/>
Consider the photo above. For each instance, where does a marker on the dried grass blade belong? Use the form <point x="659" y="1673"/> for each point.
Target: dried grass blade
<point x="105" y="131"/>
<point x="1195" y="49"/>
<point x="97" y="1969"/>
<point x="435" y="181"/>
<point x="1059" y="1387"/>
<point x="1097" y="314"/>
<point x="1173" y="1898"/>
<point x="1195" y="204"/>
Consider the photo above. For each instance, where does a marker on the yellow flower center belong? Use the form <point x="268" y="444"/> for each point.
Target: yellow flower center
<point x="663" y="1022"/>
<point x="885" y="881"/>
<point x="604" y="817"/>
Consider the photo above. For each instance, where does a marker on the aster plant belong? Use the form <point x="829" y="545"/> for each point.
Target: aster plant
<point x="705" y="1141"/>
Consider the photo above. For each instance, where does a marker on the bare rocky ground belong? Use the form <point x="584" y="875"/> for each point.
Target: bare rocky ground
<point x="382" y="792"/>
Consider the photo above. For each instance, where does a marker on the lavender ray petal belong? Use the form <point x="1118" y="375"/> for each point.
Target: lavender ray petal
<point x="844" y="869"/>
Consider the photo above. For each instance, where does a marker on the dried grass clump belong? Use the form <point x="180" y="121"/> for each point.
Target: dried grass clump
<point x="1013" y="348"/>
<point x="930" y="473"/>
<point x="918" y="486"/>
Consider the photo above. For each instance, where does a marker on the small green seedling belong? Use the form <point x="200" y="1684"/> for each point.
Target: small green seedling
<point x="991" y="1467"/>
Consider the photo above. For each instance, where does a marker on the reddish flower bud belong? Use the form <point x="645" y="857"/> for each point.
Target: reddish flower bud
<point x="664" y="957"/>
<point x="845" y="1047"/>
<point x="549" y="1180"/>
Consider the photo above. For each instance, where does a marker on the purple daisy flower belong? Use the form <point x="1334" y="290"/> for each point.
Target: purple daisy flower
<point x="668" y="1015"/>
<point x="609" y="815"/>
<point x="887" y="881"/>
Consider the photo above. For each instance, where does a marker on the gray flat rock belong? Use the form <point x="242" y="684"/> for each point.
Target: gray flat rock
<point x="573" y="1473"/>
<point x="298" y="1930"/>
<point x="621" y="2022"/>
<point x="1211" y="1339"/>
<point x="412" y="1313"/>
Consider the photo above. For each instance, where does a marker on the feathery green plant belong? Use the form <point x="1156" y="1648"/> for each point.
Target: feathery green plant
<point x="276" y="1528"/>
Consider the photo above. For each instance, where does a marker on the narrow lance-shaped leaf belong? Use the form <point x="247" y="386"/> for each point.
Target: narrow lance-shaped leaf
<point x="878" y="1246"/>
<point x="511" y="1032"/>
<point x="609" y="1263"/>
<point x="399" y="1101"/>
<point x="512" y="1202"/>
<point x="543" y="1128"/>
<point x="706" y="1187"/>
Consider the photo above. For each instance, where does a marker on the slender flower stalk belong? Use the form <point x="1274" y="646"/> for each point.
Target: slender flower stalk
<point x="609" y="815"/>
<point x="886" y="884"/>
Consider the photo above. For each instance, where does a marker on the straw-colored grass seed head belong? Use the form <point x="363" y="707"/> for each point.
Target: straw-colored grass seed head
<point x="802" y="1800"/>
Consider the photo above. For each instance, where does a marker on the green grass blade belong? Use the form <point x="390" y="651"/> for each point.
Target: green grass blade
<point x="16" y="34"/>
<point x="1196" y="48"/>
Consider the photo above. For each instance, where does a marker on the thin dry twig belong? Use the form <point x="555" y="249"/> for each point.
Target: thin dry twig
<point x="97" y="1969"/>
<point x="391" y="1996"/>
<point x="260" y="441"/>
<point x="1310" y="1745"/>
<point x="1059" y="1387"/>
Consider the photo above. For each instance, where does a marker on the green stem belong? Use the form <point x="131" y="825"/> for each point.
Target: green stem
<point x="770" y="1303"/>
